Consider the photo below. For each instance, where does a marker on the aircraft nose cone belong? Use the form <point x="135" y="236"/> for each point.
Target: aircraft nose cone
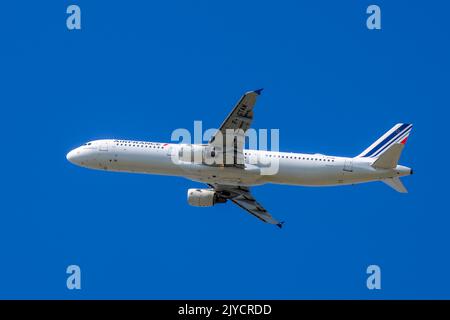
<point x="69" y="156"/>
<point x="72" y="156"/>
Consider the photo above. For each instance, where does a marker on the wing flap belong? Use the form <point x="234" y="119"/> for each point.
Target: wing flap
<point x="242" y="197"/>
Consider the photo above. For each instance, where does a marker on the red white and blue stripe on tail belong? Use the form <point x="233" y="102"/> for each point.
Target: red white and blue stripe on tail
<point x="398" y="134"/>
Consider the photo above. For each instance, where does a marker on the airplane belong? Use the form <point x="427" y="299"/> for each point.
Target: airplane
<point x="231" y="180"/>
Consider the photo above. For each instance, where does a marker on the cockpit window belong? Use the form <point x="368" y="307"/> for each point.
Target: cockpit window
<point x="87" y="144"/>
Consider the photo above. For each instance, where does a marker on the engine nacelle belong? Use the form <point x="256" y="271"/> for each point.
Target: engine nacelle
<point x="203" y="197"/>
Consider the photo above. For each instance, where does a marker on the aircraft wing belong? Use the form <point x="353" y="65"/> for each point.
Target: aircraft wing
<point x="243" y="198"/>
<point x="239" y="120"/>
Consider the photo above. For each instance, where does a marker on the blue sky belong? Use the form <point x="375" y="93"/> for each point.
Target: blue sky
<point x="140" y="69"/>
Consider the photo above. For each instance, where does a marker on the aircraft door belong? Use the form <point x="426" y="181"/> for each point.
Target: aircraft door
<point x="348" y="165"/>
<point x="103" y="146"/>
<point x="170" y="149"/>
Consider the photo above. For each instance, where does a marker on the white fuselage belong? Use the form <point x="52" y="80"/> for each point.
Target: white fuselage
<point x="291" y="168"/>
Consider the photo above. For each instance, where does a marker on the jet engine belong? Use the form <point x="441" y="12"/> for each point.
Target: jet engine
<point x="203" y="197"/>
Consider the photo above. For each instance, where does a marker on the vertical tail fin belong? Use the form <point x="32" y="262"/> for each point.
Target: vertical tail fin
<point x="397" y="134"/>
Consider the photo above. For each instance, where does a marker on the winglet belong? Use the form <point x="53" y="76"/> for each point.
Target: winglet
<point x="258" y="92"/>
<point x="280" y="225"/>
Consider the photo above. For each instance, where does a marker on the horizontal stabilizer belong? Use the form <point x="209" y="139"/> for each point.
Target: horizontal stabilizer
<point x="396" y="184"/>
<point x="389" y="159"/>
